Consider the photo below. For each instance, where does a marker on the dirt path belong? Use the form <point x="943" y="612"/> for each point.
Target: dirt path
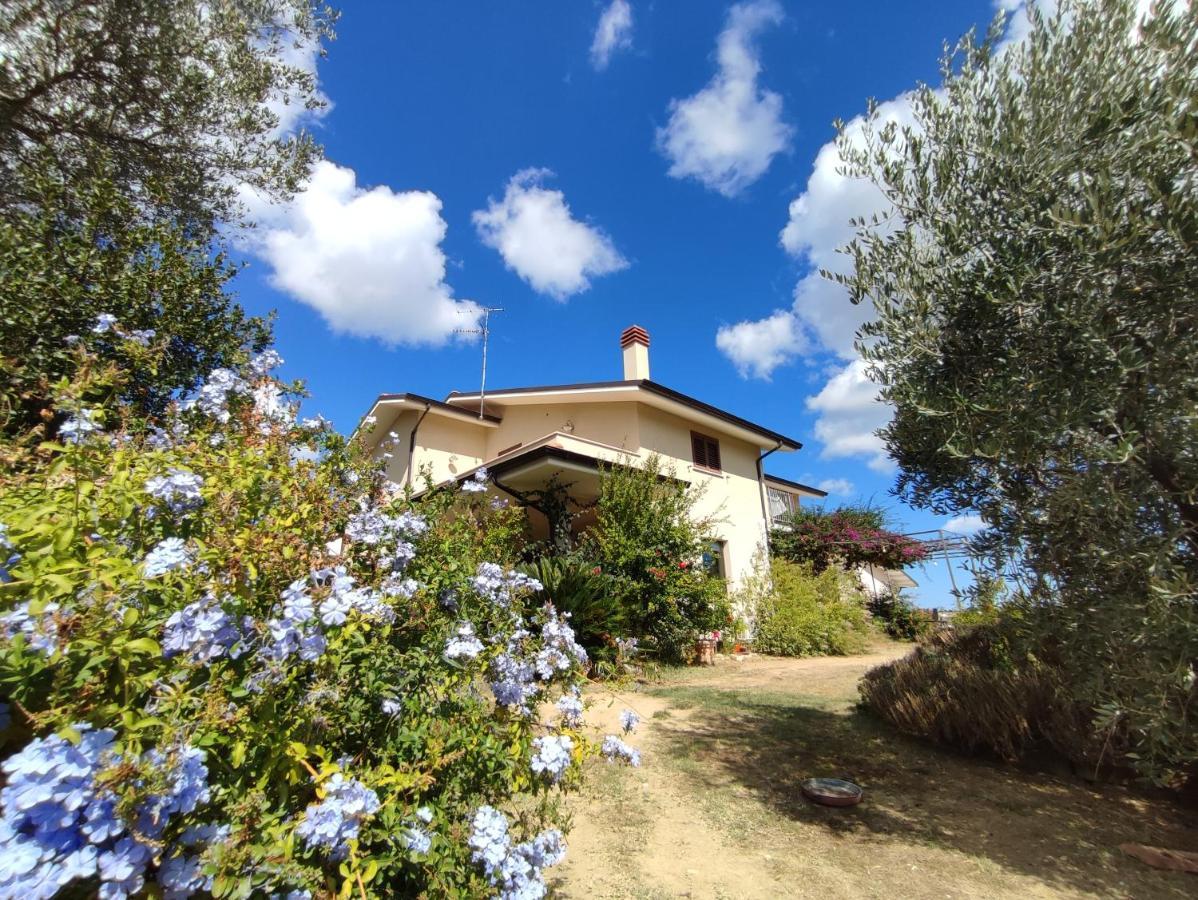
<point x="715" y="810"/>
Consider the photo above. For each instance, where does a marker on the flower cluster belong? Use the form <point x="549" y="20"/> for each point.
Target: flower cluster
<point x="629" y="720"/>
<point x="168" y="555"/>
<point x="570" y="706"/>
<point x="178" y="489"/>
<point x="615" y="749"/>
<point x="271" y="405"/>
<point x="417" y="837"/>
<point x="559" y="651"/>
<point x="106" y="322"/>
<point x="203" y="631"/>
<point x="499" y="586"/>
<point x="40" y="632"/>
<point x="335" y="821"/>
<point x="59" y="824"/>
<point x="265" y="362"/>
<point x="296" y="630"/>
<point x="345" y="596"/>
<point x="517" y="679"/>
<point x="515" y="870"/>
<point x="476" y="483"/>
<point x="551" y="756"/>
<point x="179" y="874"/>
<point x="464" y="644"/>
<point x="78" y="426"/>
<point x="212" y="399"/>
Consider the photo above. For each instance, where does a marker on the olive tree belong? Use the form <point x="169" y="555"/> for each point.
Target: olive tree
<point x="182" y="100"/>
<point x="1036" y="333"/>
<point x="128" y="131"/>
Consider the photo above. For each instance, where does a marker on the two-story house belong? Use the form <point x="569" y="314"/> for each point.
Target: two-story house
<point x="529" y="437"/>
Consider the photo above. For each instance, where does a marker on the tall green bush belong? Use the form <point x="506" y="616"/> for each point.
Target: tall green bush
<point x="799" y="613"/>
<point x="649" y="541"/>
<point x="898" y="616"/>
<point x="234" y="663"/>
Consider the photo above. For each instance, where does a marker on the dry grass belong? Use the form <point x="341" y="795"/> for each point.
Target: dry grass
<point x="716" y="811"/>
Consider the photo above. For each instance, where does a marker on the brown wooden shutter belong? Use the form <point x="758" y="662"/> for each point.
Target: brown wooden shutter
<point x="705" y="451"/>
<point x="713" y="455"/>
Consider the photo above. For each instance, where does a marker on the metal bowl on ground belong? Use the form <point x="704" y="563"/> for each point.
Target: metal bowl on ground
<point x="832" y="791"/>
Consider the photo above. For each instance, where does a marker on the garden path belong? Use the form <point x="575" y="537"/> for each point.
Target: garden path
<point x="715" y="809"/>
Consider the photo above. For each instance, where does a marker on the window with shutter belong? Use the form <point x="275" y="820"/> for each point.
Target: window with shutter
<point x="705" y="451"/>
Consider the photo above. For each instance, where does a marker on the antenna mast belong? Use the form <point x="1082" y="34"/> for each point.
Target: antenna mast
<point x="485" y="331"/>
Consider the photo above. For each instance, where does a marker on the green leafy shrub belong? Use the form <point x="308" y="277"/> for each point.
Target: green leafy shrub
<point x="274" y="675"/>
<point x="579" y="589"/>
<point x="647" y="539"/>
<point x="898" y="616"/>
<point x="802" y="614"/>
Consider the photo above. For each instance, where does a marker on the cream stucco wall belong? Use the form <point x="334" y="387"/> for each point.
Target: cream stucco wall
<point x="614" y="424"/>
<point x="731" y="497"/>
<point x="448" y="446"/>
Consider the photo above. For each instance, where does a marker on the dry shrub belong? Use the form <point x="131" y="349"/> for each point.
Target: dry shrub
<point x="962" y="689"/>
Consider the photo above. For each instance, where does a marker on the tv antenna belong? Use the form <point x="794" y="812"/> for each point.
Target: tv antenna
<point x="485" y="331"/>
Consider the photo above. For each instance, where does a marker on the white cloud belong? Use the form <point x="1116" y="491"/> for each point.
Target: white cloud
<point x="849" y="415"/>
<point x="726" y="135"/>
<point x="369" y="260"/>
<point x="839" y="487"/>
<point x="757" y="348"/>
<point x="540" y="240"/>
<point x="969" y="524"/>
<point x="817" y="226"/>
<point x="613" y="33"/>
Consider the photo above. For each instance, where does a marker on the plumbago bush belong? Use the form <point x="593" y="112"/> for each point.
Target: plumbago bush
<point x="232" y="664"/>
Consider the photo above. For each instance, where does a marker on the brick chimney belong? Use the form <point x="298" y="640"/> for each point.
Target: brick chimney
<point x="635" y="343"/>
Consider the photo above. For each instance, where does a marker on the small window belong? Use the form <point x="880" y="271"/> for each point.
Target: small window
<point x="713" y="559"/>
<point x="782" y="503"/>
<point x="705" y="451"/>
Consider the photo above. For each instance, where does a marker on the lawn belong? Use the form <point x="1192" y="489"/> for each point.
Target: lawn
<point x="716" y="811"/>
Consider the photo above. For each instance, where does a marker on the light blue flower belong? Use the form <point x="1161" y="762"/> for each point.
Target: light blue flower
<point x="551" y="756"/>
<point x="493" y="583"/>
<point x="464" y="644"/>
<point x="476" y="483"/>
<point x="142" y="337"/>
<point x="336" y="820"/>
<point x="417" y="839"/>
<point x="77" y="428"/>
<point x="202" y="630"/>
<point x="179" y="489"/>
<point x="628" y="721"/>
<point x="391" y="707"/>
<point x="570" y="706"/>
<point x="58" y="824"/>
<point x="266" y="361"/>
<point x="104" y="323"/>
<point x="513" y="681"/>
<point x="615" y="749"/>
<point x="41" y="632"/>
<point x="212" y="398"/>
<point x="170" y="554"/>
<point x="516" y="871"/>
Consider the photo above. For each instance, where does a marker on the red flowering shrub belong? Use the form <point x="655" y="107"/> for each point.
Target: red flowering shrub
<point x="849" y="537"/>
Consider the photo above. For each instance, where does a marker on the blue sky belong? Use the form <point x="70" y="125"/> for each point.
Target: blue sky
<point x="587" y="166"/>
